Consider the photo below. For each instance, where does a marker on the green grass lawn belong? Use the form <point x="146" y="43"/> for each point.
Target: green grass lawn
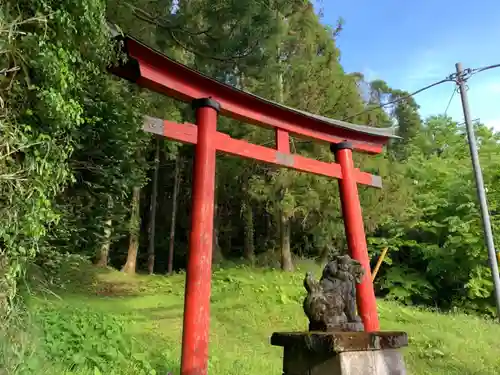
<point x="247" y="306"/>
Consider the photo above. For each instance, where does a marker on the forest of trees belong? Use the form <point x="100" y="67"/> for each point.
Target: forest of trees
<point x="78" y="176"/>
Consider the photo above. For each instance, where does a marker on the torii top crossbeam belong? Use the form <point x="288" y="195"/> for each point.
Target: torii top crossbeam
<point x="151" y="69"/>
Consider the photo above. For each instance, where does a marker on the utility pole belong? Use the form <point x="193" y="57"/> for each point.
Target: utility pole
<point x="481" y="194"/>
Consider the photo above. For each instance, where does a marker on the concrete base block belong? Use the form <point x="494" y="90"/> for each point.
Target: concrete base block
<point x="376" y="362"/>
<point x="342" y="353"/>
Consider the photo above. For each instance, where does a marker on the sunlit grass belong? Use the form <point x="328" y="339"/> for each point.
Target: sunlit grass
<point x="248" y="305"/>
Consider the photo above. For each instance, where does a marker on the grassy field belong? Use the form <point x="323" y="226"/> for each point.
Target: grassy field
<point x="247" y="307"/>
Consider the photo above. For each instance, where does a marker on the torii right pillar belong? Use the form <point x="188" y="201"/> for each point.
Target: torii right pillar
<point x="355" y="234"/>
<point x="347" y="353"/>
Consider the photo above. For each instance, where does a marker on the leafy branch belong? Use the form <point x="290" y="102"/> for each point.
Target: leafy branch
<point x="172" y="29"/>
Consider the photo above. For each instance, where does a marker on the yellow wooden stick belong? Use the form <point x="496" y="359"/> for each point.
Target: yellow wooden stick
<point x="379" y="263"/>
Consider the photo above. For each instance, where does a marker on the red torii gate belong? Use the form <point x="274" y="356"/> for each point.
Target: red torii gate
<point x="209" y="97"/>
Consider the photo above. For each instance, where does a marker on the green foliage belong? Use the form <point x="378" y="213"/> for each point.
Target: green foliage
<point x="51" y="60"/>
<point x="404" y="284"/>
<point x="72" y="150"/>
<point x="57" y="102"/>
<point x="104" y="176"/>
<point x="437" y="251"/>
<point x="87" y="339"/>
<point x="72" y="153"/>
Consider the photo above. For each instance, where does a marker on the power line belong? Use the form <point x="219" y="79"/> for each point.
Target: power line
<point x="476" y="120"/>
<point x="466" y="74"/>
<point x="449" y="102"/>
<point x="399" y="99"/>
<point x="478" y="70"/>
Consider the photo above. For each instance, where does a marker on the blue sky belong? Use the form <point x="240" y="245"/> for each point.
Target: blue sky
<point x="411" y="44"/>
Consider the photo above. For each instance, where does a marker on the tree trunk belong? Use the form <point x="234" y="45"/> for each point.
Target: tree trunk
<point x="217" y="251"/>
<point x="281" y="87"/>
<point x="284" y="222"/>
<point x="217" y="256"/>
<point x="133" y="246"/>
<point x="249" y="250"/>
<point x="103" y="256"/>
<point x="270" y="233"/>
<point x="152" y="211"/>
<point x="286" y="254"/>
<point x="177" y="182"/>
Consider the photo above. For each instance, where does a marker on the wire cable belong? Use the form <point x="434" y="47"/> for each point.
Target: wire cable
<point x="478" y="70"/>
<point x="468" y="73"/>
<point x="449" y="79"/>
<point x="476" y="120"/>
<point x="449" y="101"/>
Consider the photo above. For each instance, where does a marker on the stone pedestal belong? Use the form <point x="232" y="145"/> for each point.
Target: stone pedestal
<point x="342" y="353"/>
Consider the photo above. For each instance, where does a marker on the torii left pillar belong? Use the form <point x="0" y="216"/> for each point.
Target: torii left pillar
<point x="199" y="268"/>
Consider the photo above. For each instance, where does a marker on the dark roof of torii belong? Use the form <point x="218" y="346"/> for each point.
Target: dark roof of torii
<point x="343" y="126"/>
<point x="384" y="132"/>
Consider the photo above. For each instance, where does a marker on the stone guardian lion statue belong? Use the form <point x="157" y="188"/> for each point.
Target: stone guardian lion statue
<point x="330" y="304"/>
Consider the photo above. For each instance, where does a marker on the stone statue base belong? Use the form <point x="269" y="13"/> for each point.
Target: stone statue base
<point x="342" y="353"/>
